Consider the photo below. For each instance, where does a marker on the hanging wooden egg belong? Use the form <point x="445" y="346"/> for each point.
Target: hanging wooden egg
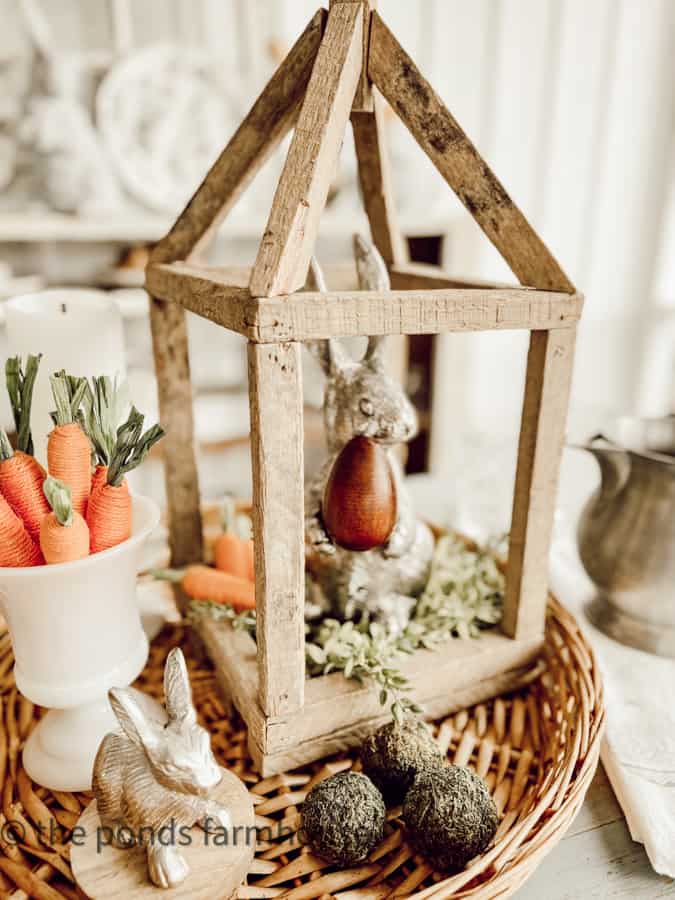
<point x="359" y="502"/>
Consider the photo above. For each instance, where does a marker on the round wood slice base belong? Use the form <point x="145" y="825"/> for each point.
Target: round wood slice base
<point x="103" y="871"/>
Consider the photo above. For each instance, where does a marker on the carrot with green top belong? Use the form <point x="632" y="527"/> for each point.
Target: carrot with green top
<point x="109" y="514"/>
<point x="232" y="552"/>
<point x="21" y="475"/>
<point x="64" y="535"/>
<point x="68" y="447"/>
<point x="104" y="407"/>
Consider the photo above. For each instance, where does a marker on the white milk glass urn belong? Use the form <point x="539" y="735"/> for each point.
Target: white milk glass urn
<point x="76" y="632"/>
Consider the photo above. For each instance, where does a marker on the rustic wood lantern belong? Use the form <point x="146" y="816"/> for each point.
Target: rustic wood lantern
<point x="342" y="65"/>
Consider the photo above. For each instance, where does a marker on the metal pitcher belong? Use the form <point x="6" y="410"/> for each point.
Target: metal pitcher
<point x="626" y="535"/>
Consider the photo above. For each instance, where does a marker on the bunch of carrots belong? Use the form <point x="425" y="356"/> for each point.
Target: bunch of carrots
<point x="230" y="580"/>
<point x="83" y="504"/>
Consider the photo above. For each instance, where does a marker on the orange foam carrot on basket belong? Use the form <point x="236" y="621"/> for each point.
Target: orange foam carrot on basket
<point x="109" y="513"/>
<point x="21" y="475"/>
<point x="232" y="551"/>
<point x="204" y="583"/>
<point x="64" y="535"/>
<point x="17" y="548"/>
<point x="68" y="447"/>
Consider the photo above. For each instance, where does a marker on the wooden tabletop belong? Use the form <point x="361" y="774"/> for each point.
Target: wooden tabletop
<point x="597" y="860"/>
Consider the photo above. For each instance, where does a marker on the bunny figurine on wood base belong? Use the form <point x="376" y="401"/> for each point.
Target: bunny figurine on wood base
<point x="153" y="775"/>
<point x="363" y="405"/>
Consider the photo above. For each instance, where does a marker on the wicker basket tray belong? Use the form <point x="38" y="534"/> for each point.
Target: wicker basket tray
<point x="537" y="750"/>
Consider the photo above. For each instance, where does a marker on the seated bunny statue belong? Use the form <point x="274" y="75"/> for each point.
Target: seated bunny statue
<point x="154" y="775"/>
<point x="360" y="399"/>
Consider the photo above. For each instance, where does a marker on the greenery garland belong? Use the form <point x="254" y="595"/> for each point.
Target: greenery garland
<point x="464" y="596"/>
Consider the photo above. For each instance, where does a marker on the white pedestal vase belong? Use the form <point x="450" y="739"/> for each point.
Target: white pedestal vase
<point x="76" y="632"/>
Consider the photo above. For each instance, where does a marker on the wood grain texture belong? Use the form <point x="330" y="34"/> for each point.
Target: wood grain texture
<point x="363" y="98"/>
<point x="270" y="118"/>
<point x="201" y="291"/>
<point x="342" y="313"/>
<point x="275" y="393"/>
<point x="410" y="95"/>
<point x="172" y="367"/>
<point x="542" y="432"/>
<point x="309" y="315"/>
<point x="215" y="870"/>
<point x="375" y="181"/>
<point x="288" y="242"/>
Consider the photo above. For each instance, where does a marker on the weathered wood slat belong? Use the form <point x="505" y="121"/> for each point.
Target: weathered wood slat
<point x="275" y="394"/>
<point x="288" y="242"/>
<point x="363" y="98"/>
<point x="309" y="315"/>
<point x="437" y="132"/>
<point x="172" y="367"/>
<point x="418" y="276"/>
<point x="375" y="180"/>
<point x="202" y="292"/>
<point x="547" y="385"/>
<point x="269" y="120"/>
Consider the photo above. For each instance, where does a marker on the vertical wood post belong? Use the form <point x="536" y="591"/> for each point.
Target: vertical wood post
<point x="275" y="394"/>
<point x="170" y="347"/>
<point x="542" y="432"/>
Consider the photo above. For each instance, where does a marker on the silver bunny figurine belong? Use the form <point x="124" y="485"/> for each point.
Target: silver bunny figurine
<point x="157" y="775"/>
<point x="361" y="399"/>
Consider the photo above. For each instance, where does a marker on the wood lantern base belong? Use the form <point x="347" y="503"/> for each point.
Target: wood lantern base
<point x="103" y="872"/>
<point x="338" y="714"/>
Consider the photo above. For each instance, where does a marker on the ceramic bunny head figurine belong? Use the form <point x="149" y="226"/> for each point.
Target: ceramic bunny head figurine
<point x="154" y="773"/>
<point x="360" y="399"/>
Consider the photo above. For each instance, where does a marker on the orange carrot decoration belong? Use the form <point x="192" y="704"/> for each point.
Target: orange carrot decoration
<point x="232" y="552"/>
<point x="17" y="548"/>
<point x="103" y="412"/>
<point x="64" y="535"/>
<point x="68" y="447"/>
<point x="109" y="510"/>
<point x="21" y="476"/>
<point x="204" y="583"/>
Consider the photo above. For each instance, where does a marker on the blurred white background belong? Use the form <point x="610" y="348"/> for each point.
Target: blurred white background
<point x="111" y="110"/>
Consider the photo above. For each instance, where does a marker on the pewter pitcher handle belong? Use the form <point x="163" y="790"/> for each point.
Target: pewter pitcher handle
<point x="615" y="466"/>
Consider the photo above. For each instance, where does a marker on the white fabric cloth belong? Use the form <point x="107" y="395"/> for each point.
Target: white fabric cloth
<point x="638" y="751"/>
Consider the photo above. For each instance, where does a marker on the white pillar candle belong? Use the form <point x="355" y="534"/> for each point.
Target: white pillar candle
<point x="75" y="329"/>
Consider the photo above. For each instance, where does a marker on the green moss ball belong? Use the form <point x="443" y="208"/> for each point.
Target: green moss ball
<point x="395" y="754"/>
<point x="343" y="818"/>
<point x="450" y="816"/>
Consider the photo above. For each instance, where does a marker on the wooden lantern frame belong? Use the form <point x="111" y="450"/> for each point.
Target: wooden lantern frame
<point x="327" y="77"/>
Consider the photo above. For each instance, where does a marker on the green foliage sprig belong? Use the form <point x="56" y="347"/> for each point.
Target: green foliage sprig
<point x="20" y="384"/>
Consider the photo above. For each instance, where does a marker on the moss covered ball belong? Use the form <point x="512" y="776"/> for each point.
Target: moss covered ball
<point x="343" y="818"/>
<point x="395" y="754"/>
<point x="450" y="816"/>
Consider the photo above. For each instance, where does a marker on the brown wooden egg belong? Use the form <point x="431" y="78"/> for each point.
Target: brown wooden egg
<point x="359" y="502"/>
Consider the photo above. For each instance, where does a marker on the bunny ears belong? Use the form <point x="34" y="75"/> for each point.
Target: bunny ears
<point x="373" y="276"/>
<point x="136" y="724"/>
